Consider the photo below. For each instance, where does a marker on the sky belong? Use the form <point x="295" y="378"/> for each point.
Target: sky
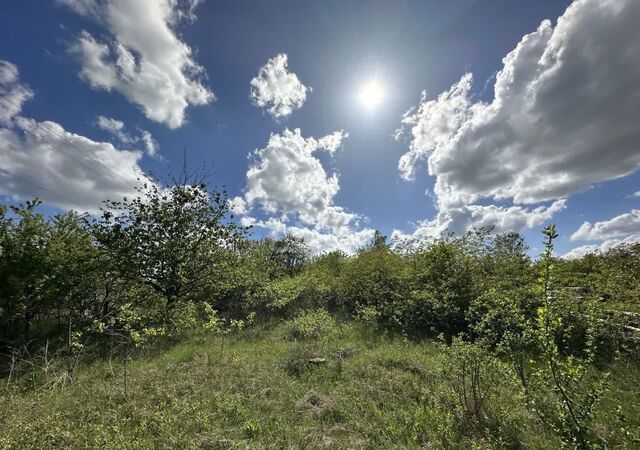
<point x="329" y="120"/>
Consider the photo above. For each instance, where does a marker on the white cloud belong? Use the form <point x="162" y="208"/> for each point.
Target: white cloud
<point x="8" y="73"/>
<point x="89" y="8"/>
<point x="464" y="217"/>
<point x="609" y="244"/>
<point x="12" y="93"/>
<point x="285" y="177"/>
<point x="145" y="60"/>
<point x="42" y="159"/>
<point x="433" y="123"/>
<point x="117" y="129"/>
<point x="619" y="230"/>
<point x="622" y="225"/>
<point x="288" y="183"/>
<point x="346" y="240"/>
<point x="150" y="144"/>
<point x="277" y="89"/>
<point x="563" y="116"/>
<point x="247" y="221"/>
<point x="238" y="205"/>
<point x="111" y="125"/>
<point x="333" y="141"/>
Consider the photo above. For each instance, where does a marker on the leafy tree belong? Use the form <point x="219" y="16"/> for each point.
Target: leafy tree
<point x="501" y="313"/>
<point x="378" y="241"/>
<point x="617" y="276"/>
<point x="24" y="246"/>
<point x="510" y="263"/>
<point x="289" y="253"/>
<point x="169" y="239"/>
<point x="75" y="268"/>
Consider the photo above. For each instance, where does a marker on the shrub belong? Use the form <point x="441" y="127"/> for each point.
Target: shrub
<point x="441" y="289"/>
<point x="497" y="317"/>
<point x="315" y="325"/>
<point x="375" y="279"/>
<point x="563" y="390"/>
<point x="473" y="375"/>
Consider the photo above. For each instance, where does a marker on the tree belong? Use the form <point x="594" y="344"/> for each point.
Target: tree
<point x="289" y="253"/>
<point x="378" y="241"/>
<point x="170" y="239"/>
<point x="24" y="240"/>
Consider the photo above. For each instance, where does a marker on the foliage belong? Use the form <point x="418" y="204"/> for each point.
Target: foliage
<point x="389" y="395"/>
<point x="168" y="239"/>
<point x="473" y="374"/>
<point x="375" y="279"/>
<point x="441" y="288"/>
<point x="501" y="319"/>
<point x="571" y="387"/>
<point x="315" y="325"/>
<point x="170" y="264"/>
<point x="25" y="239"/>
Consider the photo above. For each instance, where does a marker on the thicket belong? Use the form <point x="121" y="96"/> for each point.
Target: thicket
<point x="151" y="268"/>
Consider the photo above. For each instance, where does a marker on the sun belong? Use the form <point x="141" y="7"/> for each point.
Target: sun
<point x="371" y="94"/>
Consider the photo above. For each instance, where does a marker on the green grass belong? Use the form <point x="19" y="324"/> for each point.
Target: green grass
<point x="373" y="392"/>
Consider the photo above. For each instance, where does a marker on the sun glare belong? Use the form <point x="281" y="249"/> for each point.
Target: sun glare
<point x="371" y="94"/>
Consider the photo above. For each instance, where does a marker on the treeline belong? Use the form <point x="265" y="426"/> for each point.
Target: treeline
<point x="172" y="259"/>
<point x="149" y="261"/>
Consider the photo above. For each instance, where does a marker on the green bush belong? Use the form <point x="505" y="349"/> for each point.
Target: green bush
<point x="496" y="317"/>
<point x="375" y="279"/>
<point x="315" y="325"/>
<point x="442" y="289"/>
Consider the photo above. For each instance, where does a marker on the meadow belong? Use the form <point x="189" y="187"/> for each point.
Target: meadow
<point x="162" y="324"/>
<point x="373" y="391"/>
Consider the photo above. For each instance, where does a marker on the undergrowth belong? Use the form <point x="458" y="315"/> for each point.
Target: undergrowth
<point x="264" y="392"/>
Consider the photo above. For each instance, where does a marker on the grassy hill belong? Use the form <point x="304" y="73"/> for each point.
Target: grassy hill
<point x="373" y="391"/>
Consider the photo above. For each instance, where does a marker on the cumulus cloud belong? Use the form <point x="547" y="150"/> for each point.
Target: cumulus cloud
<point x="286" y="177"/>
<point x="622" y="225"/>
<point x="117" y="129"/>
<point x="619" y="230"/>
<point x="287" y="182"/>
<point x="347" y="240"/>
<point x="238" y="205"/>
<point x="276" y="89"/>
<point x="333" y="141"/>
<point x="609" y="244"/>
<point x="464" y="217"/>
<point x="42" y="159"/>
<point x="144" y="60"/>
<point x="563" y="115"/>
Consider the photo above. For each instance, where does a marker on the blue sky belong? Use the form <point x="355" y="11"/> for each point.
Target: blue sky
<point x="333" y="49"/>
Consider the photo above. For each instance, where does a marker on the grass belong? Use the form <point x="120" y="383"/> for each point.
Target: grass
<point x="372" y="392"/>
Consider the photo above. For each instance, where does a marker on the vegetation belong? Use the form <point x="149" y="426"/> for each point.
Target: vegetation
<point x="160" y="324"/>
